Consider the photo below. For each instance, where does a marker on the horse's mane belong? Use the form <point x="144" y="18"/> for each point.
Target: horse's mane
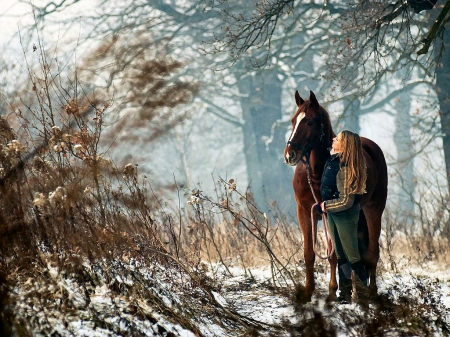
<point x="326" y="120"/>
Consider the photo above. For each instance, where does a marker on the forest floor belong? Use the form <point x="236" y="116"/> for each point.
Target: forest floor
<point x="163" y="301"/>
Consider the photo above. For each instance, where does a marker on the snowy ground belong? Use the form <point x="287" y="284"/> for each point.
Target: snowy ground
<point x="266" y="306"/>
<point x="162" y="302"/>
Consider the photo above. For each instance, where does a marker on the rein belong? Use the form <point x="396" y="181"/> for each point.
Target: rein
<point x="330" y="245"/>
<point x="304" y="158"/>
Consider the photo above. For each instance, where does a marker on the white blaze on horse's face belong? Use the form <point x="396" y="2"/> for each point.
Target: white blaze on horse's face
<point x="300" y="116"/>
<point x="290" y="156"/>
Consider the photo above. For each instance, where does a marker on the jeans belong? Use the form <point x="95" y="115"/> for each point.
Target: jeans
<point x="344" y="228"/>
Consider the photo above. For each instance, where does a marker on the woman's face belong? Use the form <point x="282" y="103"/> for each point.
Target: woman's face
<point x="336" y="145"/>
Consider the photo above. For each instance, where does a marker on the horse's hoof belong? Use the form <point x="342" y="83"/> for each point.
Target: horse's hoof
<point x="301" y="296"/>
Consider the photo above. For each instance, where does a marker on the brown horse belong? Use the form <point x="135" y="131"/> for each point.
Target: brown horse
<point x="309" y="144"/>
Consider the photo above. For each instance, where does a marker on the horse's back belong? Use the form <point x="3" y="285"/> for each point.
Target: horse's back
<point x="377" y="176"/>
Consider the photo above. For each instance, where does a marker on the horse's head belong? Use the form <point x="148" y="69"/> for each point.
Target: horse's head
<point x="310" y="129"/>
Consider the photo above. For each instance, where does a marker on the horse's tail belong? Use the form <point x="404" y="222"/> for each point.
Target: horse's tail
<point x="363" y="235"/>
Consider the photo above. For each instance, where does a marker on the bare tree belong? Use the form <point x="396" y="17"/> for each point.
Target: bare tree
<point x="387" y="37"/>
<point x="374" y="40"/>
<point x="374" y="19"/>
<point x="443" y="92"/>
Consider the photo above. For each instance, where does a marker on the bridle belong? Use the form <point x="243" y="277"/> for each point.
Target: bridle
<point x="306" y="150"/>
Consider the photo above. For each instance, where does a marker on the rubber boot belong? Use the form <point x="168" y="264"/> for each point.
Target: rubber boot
<point x="362" y="290"/>
<point x="345" y="282"/>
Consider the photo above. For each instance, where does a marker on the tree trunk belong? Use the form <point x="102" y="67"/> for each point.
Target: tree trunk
<point x="264" y="141"/>
<point x="350" y="116"/>
<point x="404" y="145"/>
<point x="443" y="90"/>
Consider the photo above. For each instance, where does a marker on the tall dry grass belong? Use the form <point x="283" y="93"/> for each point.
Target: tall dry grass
<point x="66" y="207"/>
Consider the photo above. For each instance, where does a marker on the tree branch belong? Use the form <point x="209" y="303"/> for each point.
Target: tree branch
<point x="391" y="16"/>
<point x="435" y="29"/>
<point x="222" y="113"/>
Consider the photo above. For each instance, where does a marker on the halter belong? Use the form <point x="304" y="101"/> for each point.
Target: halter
<point x="306" y="151"/>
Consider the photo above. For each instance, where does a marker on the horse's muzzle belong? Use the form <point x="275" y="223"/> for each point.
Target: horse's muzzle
<point x="291" y="159"/>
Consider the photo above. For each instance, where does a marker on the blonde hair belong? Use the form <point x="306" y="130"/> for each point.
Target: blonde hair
<point x="352" y="156"/>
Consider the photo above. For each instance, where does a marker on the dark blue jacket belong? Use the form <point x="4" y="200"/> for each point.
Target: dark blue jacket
<point x="334" y="187"/>
<point x="328" y="187"/>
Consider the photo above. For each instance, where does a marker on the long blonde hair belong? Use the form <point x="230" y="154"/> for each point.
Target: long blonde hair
<point x="352" y="156"/>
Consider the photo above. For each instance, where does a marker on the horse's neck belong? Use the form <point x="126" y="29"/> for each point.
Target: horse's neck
<point x="318" y="159"/>
<point x="320" y="155"/>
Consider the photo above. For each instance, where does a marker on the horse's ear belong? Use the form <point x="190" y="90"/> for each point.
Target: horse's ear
<point x="298" y="99"/>
<point x="313" y="98"/>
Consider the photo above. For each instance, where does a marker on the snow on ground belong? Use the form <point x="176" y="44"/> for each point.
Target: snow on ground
<point x="71" y="308"/>
<point x="270" y="307"/>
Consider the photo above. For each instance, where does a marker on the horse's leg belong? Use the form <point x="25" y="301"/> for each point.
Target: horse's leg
<point x="333" y="286"/>
<point x="304" y="220"/>
<point x="372" y="256"/>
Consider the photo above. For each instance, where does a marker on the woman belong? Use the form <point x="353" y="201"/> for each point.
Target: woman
<point x="343" y="182"/>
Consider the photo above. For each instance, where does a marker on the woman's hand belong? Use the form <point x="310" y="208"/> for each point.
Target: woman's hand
<point x="322" y="207"/>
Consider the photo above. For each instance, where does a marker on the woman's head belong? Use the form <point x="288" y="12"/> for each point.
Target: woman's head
<point x="348" y="145"/>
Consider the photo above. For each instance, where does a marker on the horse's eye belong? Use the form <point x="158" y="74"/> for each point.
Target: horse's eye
<point x="310" y="123"/>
